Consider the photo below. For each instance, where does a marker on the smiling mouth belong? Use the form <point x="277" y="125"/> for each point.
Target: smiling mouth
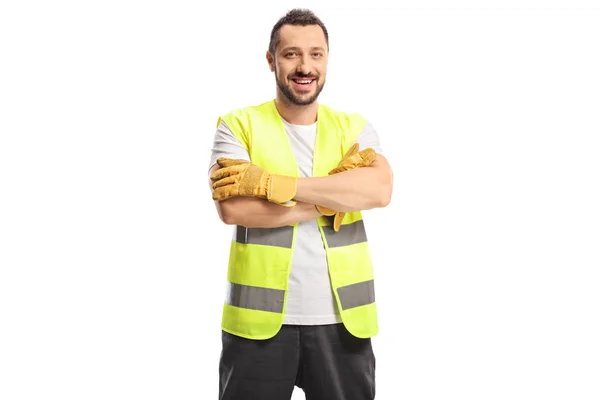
<point x="303" y="81"/>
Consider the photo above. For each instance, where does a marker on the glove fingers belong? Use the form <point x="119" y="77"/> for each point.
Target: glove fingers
<point x="325" y="211"/>
<point x="337" y="220"/>
<point x="368" y="156"/>
<point x="350" y="163"/>
<point x="363" y="158"/>
<point x="353" y="150"/>
<point x="339" y="169"/>
<point x="346" y="162"/>
<point x="225" y="192"/>
<point x="229" y="171"/>
<point x="228" y="162"/>
<point x="229" y="180"/>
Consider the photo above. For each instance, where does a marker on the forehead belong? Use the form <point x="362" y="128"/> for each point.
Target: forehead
<point x="301" y="36"/>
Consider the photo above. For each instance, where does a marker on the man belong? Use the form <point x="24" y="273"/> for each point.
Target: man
<point x="288" y="174"/>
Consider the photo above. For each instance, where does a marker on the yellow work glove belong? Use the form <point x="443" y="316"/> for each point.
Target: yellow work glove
<point x="352" y="159"/>
<point x="242" y="178"/>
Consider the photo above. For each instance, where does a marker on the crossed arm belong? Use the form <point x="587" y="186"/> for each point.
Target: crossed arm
<point x="354" y="190"/>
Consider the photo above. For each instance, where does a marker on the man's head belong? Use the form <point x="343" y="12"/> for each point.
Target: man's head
<point x="298" y="53"/>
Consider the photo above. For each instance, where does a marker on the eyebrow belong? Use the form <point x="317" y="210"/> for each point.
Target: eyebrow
<point x="296" y="48"/>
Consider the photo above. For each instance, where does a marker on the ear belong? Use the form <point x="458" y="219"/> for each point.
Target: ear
<point x="271" y="61"/>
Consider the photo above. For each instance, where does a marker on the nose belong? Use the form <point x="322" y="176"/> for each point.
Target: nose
<point x="304" y="66"/>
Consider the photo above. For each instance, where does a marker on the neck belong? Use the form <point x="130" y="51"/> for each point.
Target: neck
<point x="295" y="114"/>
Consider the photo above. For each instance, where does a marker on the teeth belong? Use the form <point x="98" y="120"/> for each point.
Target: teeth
<point x="304" y="81"/>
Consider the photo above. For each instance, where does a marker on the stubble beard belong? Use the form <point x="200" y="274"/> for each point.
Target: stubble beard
<point x="289" y="94"/>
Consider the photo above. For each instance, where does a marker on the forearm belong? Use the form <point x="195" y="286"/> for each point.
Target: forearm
<point x="258" y="213"/>
<point x="354" y="190"/>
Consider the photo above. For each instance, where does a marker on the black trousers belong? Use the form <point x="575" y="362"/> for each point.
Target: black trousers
<point x="325" y="361"/>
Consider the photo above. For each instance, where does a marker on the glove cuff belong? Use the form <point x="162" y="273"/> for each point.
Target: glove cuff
<point x="282" y="188"/>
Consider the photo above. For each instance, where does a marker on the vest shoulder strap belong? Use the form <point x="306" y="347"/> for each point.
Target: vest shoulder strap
<point x="239" y="120"/>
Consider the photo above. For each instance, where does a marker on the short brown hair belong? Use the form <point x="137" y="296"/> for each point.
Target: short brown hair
<point x="297" y="16"/>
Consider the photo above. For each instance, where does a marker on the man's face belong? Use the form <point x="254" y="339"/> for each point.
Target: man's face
<point x="300" y="63"/>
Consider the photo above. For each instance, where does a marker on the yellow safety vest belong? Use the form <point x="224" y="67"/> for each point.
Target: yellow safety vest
<point x="260" y="258"/>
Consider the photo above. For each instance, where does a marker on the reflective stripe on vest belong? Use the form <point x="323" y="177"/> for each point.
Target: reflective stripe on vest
<point x="348" y="234"/>
<point x="280" y="237"/>
<point x="255" y="298"/>
<point x="357" y="294"/>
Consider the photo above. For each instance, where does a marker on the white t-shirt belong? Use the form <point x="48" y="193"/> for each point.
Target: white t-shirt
<point x="310" y="297"/>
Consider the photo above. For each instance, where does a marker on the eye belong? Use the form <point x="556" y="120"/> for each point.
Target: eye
<point x="290" y="54"/>
<point x="317" y="55"/>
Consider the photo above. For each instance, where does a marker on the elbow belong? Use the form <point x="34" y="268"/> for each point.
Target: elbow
<point x="384" y="198"/>
<point x="233" y="212"/>
<point x="227" y="214"/>
<point x="378" y="199"/>
<point x="228" y="219"/>
<point x="385" y="194"/>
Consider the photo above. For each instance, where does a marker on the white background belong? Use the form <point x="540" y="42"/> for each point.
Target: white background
<point x="113" y="260"/>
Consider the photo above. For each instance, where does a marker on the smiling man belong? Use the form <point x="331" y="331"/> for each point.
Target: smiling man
<point x="292" y="177"/>
<point x="302" y="84"/>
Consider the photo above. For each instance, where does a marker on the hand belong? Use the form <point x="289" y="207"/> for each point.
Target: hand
<point x="352" y="159"/>
<point x="242" y="178"/>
